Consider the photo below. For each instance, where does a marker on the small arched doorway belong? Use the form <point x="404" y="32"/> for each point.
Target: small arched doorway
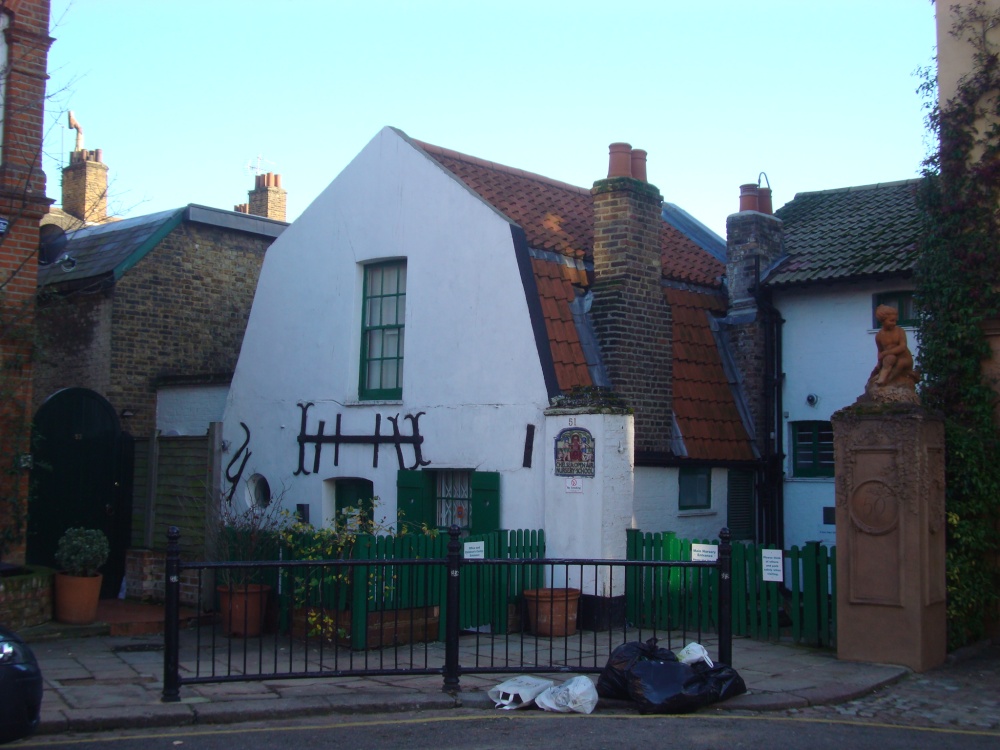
<point x="82" y="476"/>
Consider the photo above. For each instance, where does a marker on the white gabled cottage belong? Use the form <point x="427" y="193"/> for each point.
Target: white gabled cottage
<point x="481" y="346"/>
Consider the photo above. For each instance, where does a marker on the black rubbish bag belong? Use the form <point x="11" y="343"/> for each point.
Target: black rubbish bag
<point x="613" y="681"/>
<point x="672" y="687"/>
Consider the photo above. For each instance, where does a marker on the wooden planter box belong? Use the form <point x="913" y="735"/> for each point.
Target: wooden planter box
<point x="389" y="628"/>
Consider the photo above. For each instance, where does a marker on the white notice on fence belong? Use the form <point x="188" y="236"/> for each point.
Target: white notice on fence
<point x="772" y="568"/>
<point x="475" y="551"/>
<point x="704" y="553"/>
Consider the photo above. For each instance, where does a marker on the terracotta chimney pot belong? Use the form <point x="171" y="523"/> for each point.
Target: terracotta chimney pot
<point x="621" y="160"/>
<point x="764" y="200"/>
<point x="639" y="164"/>
<point x="748" y="197"/>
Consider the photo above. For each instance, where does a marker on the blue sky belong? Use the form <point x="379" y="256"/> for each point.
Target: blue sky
<point x="182" y="96"/>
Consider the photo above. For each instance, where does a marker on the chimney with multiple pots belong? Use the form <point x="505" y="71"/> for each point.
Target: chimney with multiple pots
<point x="267" y="199"/>
<point x="630" y="313"/>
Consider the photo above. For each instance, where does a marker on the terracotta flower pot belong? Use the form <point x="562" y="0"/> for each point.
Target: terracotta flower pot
<point x="242" y="608"/>
<point x="552" y="612"/>
<point x="76" y="598"/>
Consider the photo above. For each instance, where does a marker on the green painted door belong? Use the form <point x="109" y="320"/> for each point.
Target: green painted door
<point x="356" y="495"/>
<point x="82" y="476"/>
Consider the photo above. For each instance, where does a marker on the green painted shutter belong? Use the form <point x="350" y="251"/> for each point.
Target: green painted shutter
<point x="740" y="501"/>
<point x="485" y="502"/>
<point x="415" y="503"/>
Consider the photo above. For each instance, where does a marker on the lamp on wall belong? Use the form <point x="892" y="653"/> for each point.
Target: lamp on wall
<point x="127" y="413"/>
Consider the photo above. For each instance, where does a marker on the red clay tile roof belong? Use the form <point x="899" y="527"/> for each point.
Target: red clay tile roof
<point x="683" y="260"/>
<point x="558" y="218"/>
<point x="704" y="403"/>
<point x="555" y="287"/>
<point x="554" y="216"/>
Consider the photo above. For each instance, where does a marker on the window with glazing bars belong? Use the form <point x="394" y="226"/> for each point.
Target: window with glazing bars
<point x="383" y="316"/>
<point x="812" y="449"/>
<point x="454" y="498"/>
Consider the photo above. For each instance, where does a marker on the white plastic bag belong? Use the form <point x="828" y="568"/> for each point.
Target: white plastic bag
<point x="576" y="694"/>
<point x="518" y="692"/>
<point x="694" y="653"/>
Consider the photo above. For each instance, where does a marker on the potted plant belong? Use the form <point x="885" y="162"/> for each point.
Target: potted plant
<point x="353" y="606"/>
<point x="247" y="534"/>
<point x="80" y="553"/>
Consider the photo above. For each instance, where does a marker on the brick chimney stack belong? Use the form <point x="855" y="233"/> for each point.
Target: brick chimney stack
<point x="630" y="313"/>
<point x="754" y="238"/>
<point x="85" y="187"/>
<point x="754" y="241"/>
<point x="267" y="199"/>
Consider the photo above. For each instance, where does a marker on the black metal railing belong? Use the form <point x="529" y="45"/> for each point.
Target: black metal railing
<point x="447" y="616"/>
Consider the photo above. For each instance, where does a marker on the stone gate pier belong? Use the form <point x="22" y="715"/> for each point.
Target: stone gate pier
<point x="890" y="535"/>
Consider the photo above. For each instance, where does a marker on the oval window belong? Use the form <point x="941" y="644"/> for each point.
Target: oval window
<point x="258" y="491"/>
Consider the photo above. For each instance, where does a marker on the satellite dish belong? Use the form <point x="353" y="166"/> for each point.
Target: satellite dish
<point x="51" y="243"/>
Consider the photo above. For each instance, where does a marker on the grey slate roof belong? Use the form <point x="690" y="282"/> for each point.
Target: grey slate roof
<point x="111" y="249"/>
<point x="848" y="234"/>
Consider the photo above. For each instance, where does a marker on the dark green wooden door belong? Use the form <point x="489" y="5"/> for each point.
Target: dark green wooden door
<point x="82" y="476"/>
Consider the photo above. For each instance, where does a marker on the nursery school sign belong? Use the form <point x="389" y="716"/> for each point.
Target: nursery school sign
<point x="574" y="453"/>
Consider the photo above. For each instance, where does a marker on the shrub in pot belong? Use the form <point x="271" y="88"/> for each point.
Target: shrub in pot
<point x="80" y="554"/>
<point x="247" y="533"/>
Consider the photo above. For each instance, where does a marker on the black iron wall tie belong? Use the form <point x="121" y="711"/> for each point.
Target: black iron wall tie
<point x="396" y="439"/>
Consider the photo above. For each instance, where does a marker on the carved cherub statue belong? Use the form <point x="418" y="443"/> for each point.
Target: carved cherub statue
<point x="895" y="362"/>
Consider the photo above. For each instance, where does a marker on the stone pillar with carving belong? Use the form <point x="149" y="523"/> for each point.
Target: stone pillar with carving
<point x="890" y="482"/>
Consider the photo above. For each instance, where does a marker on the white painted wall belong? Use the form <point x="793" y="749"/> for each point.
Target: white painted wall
<point x="828" y="349"/>
<point x="657" y="491"/>
<point x="188" y="410"/>
<point x="591" y="522"/>
<point x="479" y="384"/>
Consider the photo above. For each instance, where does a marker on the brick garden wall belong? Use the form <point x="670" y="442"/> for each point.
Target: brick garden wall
<point x="26" y="600"/>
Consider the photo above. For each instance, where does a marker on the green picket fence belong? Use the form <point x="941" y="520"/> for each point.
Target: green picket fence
<point x="669" y="598"/>
<point x="487" y="594"/>
<point x="379" y="586"/>
<point x="802" y="608"/>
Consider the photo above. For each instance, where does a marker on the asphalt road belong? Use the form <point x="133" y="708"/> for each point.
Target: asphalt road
<point x="475" y="729"/>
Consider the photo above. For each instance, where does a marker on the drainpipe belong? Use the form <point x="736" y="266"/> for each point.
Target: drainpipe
<point x="774" y="452"/>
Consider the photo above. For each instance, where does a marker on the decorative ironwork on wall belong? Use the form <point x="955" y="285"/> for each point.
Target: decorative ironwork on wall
<point x="574" y="453"/>
<point x="397" y="439"/>
<point x="244" y="453"/>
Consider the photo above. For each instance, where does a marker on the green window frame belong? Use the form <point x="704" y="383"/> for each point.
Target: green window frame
<point x="812" y="449"/>
<point x="383" y="314"/>
<point x="904" y="304"/>
<point x="419" y="501"/>
<point x="694" y="484"/>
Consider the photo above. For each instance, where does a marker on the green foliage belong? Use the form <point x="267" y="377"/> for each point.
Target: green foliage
<point x="958" y="289"/>
<point x="324" y="592"/>
<point x="82" y="551"/>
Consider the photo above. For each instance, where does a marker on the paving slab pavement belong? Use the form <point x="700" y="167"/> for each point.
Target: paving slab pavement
<point x="106" y="682"/>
